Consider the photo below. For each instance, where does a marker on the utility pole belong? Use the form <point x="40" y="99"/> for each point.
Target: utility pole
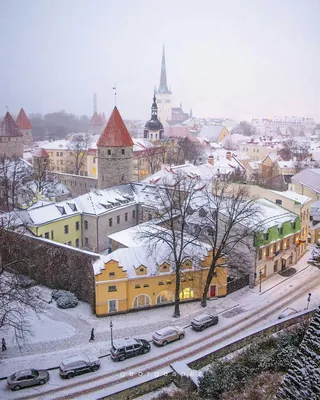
<point x="260" y="277"/>
<point x="111" y="333"/>
<point x="308" y="300"/>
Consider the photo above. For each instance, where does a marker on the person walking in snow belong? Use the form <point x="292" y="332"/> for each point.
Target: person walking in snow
<point x="4" y="345"/>
<point x="92" y="335"/>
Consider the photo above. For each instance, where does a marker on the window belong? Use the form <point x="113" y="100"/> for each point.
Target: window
<point x="57" y="154"/>
<point x="279" y="202"/>
<point x="118" y="219"/>
<point x="164" y="297"/>
<point x="266" y="236"/>
<point x="61" y="154"/>
<point x="260" y="254"/>
<point x="146" y="285"/>
<point x="86" y="241"/>
<point x="281" y="231"/>
<point x="187" y="293"/>
<point x="137" y="287"/>
<point x="281" y="245"/>
<point x="267" y="251"/>
<point x="77" y="225"/>
<point x="112" y="288"/>
<point x="111" y="274"/>
<point x="122" y="151"/>
<point x="77" y="242"/>
<point x="275" y="266"/>
<point x="294" y="225"/>
<point x="52" y="235"/>
<point x="113" y="306"/>
<point x="133" y="214"/>
<point x="257" y="150"/>
<point x="109" y="152"/>
<point x="160" y="283"/>
<point x="70" y="243"/>
<point x="141" y="301"/>
<point x="141" y="269"/>
<point x="110" y="221"/>
<point x="66" y="229"/>
<point x="46" y="235"/>
<point x="85" y="224"/>
<point x="126" y="216"/>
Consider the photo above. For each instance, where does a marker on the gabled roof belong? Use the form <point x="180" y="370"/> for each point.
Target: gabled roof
<point x="309" y="177"/>
<point x="115" y="133"/>
<point x="8" y="127"/>
<point x="96" y="119"/>
<point x="211" y="132"/>
<point x="23" y="121"/>
<point x="39" y="152"/>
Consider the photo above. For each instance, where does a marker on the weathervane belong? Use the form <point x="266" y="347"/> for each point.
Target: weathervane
<point x="115" y="94"/>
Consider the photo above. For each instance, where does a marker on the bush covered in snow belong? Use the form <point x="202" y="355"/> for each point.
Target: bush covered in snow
<point x="67" y="300"/>
<point x="56" y="293"/>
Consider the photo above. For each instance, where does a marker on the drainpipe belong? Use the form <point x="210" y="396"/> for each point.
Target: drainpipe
<point x="97" y="234"/>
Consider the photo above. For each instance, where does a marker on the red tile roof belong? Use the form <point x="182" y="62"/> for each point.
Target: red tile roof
<point x="39" y="152"/>
<point x="115" y="133"/>
<point x="179" y="132"/>
<point x="8" y="127"/>
<point x="23" y="121"/>
<point x="96" y="119"/>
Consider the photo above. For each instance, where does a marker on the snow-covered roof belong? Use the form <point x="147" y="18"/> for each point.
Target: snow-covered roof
<point x="289" y="194"/>
<point x="272" y="214"/>
<point x="211" y="132"/>
<point x="309" y="177"/>
<point x="53" y="212"/>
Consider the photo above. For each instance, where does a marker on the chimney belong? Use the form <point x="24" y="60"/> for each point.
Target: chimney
<point x="211" y="160"/>
<point x="229" y="155"/>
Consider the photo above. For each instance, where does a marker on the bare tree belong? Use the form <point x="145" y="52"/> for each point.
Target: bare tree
<point x="153" y="156"/>
<point x="16" y="177"/>
<point x="17" y="297"/>
<point x="191" y="151"/>
<point x="78" y="146"/>
<point x="229" y="143"/>
<point x="169" y="228"/>
<point x="42" y="174"/>
<point x="226" y="225"/>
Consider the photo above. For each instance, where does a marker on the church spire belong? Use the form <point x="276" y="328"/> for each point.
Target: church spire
<point x="154" y="107"/>
<point x="163" y="87"/>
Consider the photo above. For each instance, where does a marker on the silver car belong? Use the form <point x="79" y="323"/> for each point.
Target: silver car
<point x="165" y="335"/>
<point x="27" y="378"/>
<point x="78" y="365"/>
<point x="287" y="312"/>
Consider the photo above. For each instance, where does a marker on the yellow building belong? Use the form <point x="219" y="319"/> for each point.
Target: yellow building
<point x="129" y="278"/>
<point x="60" y="222"/>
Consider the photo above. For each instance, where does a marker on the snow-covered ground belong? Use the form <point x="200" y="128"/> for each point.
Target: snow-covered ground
<point x="63" y="333"/>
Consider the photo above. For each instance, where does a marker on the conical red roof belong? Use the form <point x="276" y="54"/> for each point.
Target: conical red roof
<point x="39" y="152"/>
<point x="8" y="127"/>
<point x="115" y="133"/>
<point x="23" y="121"/>
<point x="96" y="119"/>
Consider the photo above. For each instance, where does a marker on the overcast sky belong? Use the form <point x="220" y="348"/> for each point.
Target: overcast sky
<point x="236" y="58"/>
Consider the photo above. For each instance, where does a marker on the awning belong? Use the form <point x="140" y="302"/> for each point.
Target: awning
<point x="285" y="256"/>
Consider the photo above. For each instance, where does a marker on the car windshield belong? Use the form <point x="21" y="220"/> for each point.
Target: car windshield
<point x="34" y="372"/>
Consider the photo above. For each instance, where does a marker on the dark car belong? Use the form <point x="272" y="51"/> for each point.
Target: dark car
<point x="27" y="378"/>
<point x="129" y="347"/>
<point x="78" y="365"/>
<point x="203" y="321"/>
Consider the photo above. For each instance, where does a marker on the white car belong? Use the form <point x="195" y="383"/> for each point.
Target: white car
<point x="287" y="312"/>
<point x="165" y="335"/>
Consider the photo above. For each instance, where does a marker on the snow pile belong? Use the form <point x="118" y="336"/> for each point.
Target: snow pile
<point x="303" y="378"/>
<point x="65" y="299"/>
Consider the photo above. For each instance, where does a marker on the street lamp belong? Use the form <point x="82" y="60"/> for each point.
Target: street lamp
<point x="308" y="300"/>
<point x="111" y="326"/>
<point x="260" y="277"/>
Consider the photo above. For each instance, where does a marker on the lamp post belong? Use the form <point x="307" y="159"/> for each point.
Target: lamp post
<point x="260" y="277"/>
<point x="111" y="326"/>
<point x="308" y="300"/>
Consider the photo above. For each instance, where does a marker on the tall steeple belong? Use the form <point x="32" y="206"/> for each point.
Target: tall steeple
<point x="163" y="87"/>
<point x="154" y="108"/>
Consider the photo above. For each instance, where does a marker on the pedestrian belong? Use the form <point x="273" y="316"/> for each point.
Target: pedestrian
<point x="4" y="345"/>
<point x="92" y="335"/>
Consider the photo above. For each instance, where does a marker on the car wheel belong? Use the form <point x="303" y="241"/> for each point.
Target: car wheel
<point x="70" y="375"/>
<point x="145" y="351"/>
<point x="94" y="368"/>
<point x="17" y="387"/>
<point x="122" y="358"/>
<point x="181" y="336"/>
<point x="42" y="382"/>
<point x="202" y="328"/>
<point x="164" y="343"/>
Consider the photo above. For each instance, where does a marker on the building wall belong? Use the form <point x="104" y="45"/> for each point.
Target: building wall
<point x="115" y="166"/>
<point x="56" y="230"/>
<point x="62" y="161"/>
<point x="113" y="284"/>
<point x="164" y="104"/>
<point x="26" y="136"/>
<point x="11" y="146"/>
<point x="302" y="189"/>
<point x="256" y="152"/>
<point x="224" y="133"/>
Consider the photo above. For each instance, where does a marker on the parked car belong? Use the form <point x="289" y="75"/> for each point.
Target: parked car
<point x="78" y="365"/>
<point x="165" y="335"/>
<point x="288" y="311"/>
<point x="129" y="347"/>
<point x="27" y="378"/>
<point x="203" y="321"/>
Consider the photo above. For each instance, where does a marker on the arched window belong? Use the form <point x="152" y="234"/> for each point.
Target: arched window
<point x="164" y="297"/>
<point x="142" y="300"/>
<point x="186" y="293"/>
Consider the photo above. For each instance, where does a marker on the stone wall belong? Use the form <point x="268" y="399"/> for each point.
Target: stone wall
<point x="11" y="146"/>
<point x="77" y="184"/>
<point x="51" y="264"/>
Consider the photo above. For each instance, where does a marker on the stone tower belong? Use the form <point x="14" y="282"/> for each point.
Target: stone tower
<point x="24" y="124"/>
<point x="114" y="153"/>
<point x="153" y="129"/>
<point x="164" y="95"/>
<point x="11" y="139"/>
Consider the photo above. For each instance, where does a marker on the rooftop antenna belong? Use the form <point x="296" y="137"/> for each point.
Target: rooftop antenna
<point x="115" y="94"/>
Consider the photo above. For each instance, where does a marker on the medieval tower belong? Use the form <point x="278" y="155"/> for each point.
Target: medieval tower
<point x="164" y="95"/>
<point x="11" y="139"/>
<point x="114" y="153"/>
<point x="153" y="129"/>
<point x="24" y="124"/>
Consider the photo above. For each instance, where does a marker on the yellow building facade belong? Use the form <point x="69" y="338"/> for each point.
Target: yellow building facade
<point x="119" y="291"/>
